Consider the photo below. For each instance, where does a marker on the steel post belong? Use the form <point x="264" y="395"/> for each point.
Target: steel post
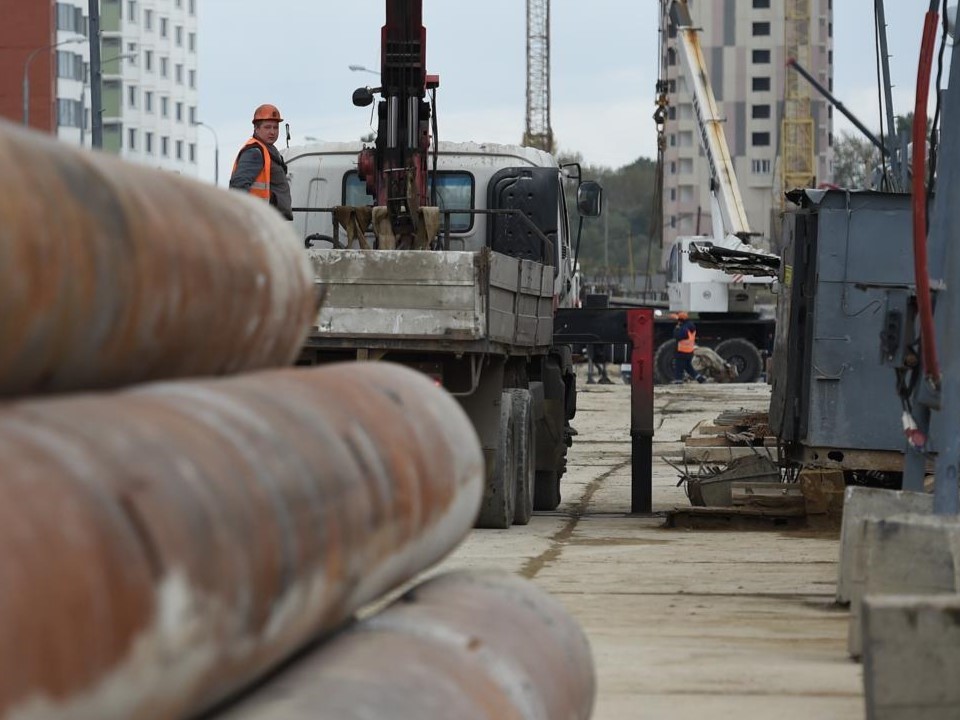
<point x="640" y="330"/>
<point x="162" y="547"/>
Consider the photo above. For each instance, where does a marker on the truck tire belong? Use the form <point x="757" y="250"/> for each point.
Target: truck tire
<point x="663" y="362"/>
<point x="744" y="355"/>
<point x="499" y="496"/>
<point x="525" y="461"/>
<point x="546" y="494"/>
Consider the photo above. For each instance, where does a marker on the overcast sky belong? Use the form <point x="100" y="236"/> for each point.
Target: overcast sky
<point x="295" y="53"/>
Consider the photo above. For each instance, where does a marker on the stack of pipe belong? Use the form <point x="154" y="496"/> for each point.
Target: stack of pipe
<point x="113" y="274"/>
<point x="166" y="545"/>
<point x="163" y="546"/>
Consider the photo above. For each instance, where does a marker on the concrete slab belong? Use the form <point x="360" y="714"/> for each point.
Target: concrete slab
<point x="910" y="657"/>
<point x="917" y="554"/>
<point x="861" y="504"/>
<point x="683" y="624"/>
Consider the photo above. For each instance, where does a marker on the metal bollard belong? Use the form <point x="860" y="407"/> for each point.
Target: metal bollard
<point x="465" y="645"/>
<point x="112" y="273"/>
<point x="164" y="546"/>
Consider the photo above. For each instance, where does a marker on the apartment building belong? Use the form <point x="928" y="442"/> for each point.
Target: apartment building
<point x="149" y="67"/>
<point x="745" y="46"/>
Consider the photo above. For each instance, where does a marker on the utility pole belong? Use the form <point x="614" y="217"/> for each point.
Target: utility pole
<point x="96" y="77"/>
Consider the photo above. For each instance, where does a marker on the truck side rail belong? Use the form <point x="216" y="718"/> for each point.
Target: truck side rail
<point x="443" y="240"/>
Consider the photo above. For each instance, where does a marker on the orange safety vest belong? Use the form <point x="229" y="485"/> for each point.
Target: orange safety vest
<point x="688" y="344"/>
<point x="261" y="184"/>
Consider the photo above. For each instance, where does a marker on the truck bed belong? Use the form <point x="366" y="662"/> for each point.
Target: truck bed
<point x="467" y="301"/>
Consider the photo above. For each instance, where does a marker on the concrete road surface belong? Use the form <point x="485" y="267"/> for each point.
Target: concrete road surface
<point x="698" y="625"/>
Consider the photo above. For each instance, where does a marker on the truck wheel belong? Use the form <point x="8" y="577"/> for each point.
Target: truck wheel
<point x="499" y="496"/>
<point x="525" y="459"/>
<point x="546" y="494"/>
<point x="743" y="355"/>
<point x="663" y="362"/>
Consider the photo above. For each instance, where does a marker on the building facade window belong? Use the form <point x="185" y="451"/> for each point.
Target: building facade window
<point x="760" y="112"/>
<point x="761" y="167"/>
<point x="164" y="146"/>
<point x="192" y="152"/>
<point x="178" y="74"/>
<point x="132" y="95"/>
<point x="132" y="10"/>
<point x="761" y="4"/>
<point x="148" y="19"/>
<point x="164" y="67"/>
<point x="179" y="147"/>
<point x="760" y="57"/>
<point x="192" y="75"/>
<point x="148" y="143"/>
<point x="148" y="60"/>
<point x="192" y="42"/>
<point x="179" y="112"/>
<point x="132" y="139"/>
<point x="761" y="29"/>
<point x="760" y="84"/>
<point x="69" y="113"/>
<point x="760" y="139"/>
<point x="164" y="23"/>
<point x="148" y="101"/>
<point x="178" y="35"/>
<point x="164" y="106"/>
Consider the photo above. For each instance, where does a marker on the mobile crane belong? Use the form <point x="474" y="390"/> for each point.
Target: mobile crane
<point x="717" y="276"/>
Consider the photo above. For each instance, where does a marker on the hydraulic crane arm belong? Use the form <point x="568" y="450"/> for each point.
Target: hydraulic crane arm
<point x="395" y="170"/>
<point x="730" y="250"/>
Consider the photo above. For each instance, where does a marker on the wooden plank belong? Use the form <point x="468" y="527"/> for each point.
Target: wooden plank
<point x="725" y="454"/>
<point x="766" y="495"/>
<point x="739" y="518"/>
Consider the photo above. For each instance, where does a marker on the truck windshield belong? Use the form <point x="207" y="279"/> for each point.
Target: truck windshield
<point x="455" y="191"/>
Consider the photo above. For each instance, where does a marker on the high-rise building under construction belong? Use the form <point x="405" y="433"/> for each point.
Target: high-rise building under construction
<point x="779" y="129"/>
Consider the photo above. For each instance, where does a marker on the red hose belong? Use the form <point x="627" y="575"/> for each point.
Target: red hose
<point x="922" y="278"/>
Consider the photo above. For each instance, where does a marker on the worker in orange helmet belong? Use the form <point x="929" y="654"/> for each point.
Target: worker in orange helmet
<point x="259" y="169"/>
<point x="685" y="333"/>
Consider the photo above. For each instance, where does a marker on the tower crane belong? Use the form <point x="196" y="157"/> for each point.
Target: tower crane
<point x="538" y="133"/>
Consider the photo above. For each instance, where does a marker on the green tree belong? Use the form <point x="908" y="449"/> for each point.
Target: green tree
<point x="855" y="159"/>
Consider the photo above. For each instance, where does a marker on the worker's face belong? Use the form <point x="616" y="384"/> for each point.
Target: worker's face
<point x="267" y="131"/>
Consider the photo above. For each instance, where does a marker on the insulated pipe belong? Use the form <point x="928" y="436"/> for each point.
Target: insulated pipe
<point x="465" y="645"/>
<point x="162" y="547"/>
<point x="112" y="273"/>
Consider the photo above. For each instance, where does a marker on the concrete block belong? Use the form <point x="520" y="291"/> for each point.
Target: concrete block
<point x="859" y="504"/>
<point x="916" y="554"/>
<point x="911" y="654"/>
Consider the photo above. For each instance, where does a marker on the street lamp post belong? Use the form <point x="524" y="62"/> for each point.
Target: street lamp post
<point x="216" y="151"/>
<point x="361" y="68"/>
<point x="26" y="73"/>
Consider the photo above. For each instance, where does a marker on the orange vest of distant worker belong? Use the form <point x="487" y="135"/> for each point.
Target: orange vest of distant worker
<point x="689" y="343"/>
<point x="261" y="184"/>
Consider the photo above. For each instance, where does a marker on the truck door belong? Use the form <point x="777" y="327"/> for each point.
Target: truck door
<point x="535" y="192"/>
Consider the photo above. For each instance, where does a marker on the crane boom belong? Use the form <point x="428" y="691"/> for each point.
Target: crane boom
<point x="730" y="250"/>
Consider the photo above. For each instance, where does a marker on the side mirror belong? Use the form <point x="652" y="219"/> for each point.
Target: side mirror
<point x="590" y="199"/>
<point x="362" y="97"/>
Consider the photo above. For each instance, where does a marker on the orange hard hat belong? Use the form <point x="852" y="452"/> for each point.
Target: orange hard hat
<point x="266" y="112"/>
